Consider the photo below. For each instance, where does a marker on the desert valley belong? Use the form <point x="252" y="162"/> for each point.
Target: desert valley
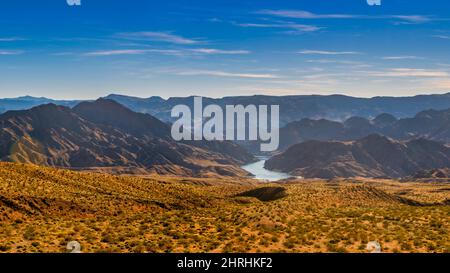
<point x="107" y="173"/>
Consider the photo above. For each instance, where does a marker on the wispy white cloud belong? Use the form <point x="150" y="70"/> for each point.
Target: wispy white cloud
<point x="354" y="64"/>
<point x="413" y="19"/>
<point x="410" y="72"/>
<point x="445" y="37"/>
<point x="225" y="74"/>
<point x="327" y="61"/>
<point x="11" y="39"/>
<point x="301" y="14"/>
<point x="324" y="52"/>
<point x="272" y="91"/>
<point x="171" y="52"/>
<point x="214" y="51"/>
<point x="393" y="58"/>
<point x="167" y="37"/>
<point x="295" y="28"/>
<point x="131" y="52"/>
<point x="215" y="20"/>
<point x="10" y="52"/>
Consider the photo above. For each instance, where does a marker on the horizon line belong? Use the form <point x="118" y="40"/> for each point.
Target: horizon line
<point x="223" y="97"/>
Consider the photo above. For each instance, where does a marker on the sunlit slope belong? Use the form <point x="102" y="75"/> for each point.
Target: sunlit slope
<point x="42" y="209"/>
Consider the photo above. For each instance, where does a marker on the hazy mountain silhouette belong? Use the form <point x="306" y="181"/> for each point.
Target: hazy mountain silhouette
<point x="294" y="108"/>
<point x="430" y="124"/>
<point x="27" y="102"/>
<point x="372" y="156"/>
<point x="105" y="135"/>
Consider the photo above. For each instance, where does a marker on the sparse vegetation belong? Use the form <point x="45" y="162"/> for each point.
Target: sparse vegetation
<point x="42" y="209"/>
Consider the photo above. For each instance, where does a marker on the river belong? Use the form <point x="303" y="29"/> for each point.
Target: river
<point x="257" y="169"/>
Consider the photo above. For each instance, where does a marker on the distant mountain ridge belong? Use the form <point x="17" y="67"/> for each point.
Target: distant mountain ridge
<point x="28" y="102"/>
<point x="429" y="124"/>
<point x="106" y="135"/>
<point x="372" y="156"/>
<point x="292" y="108"/>
<point x="297" y="107"/>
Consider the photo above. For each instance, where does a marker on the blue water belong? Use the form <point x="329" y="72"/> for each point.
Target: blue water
<point x="257" y="169"/>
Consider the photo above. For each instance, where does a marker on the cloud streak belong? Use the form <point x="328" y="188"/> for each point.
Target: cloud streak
<point x="11" y="39"/>
<point x="171" y="52"/>
<point x="445" y="37"/>
<point x="10" y="52"/>
<point x="416" y="19"/>
<point x="301" y="14"/>
<point x="215" y="73"/>
<point x="156" y="36"/>
<point x="295" y="28"/>
<point x="130" y="52"/>
<point x="394" y="58"/>
<point x="410" y="72"/>
<point x="324" y="52"/>
<point x="214" y="51"/>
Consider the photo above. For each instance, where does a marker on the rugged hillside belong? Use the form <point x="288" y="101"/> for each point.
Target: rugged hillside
<point x="433" y="175"/>
<point x="372" y="156"/>
<point x="42" y="209"/>
<point x="106" y="136"/>
<point x="109" y="113"/>
<point x="430" y="124"/>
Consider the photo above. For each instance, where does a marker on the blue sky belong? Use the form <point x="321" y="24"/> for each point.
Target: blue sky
<point x="223" y="48"/>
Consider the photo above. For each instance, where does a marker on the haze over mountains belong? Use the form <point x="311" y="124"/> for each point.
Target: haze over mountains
<point x="372" y="156"/>
<point x="378" y="137"/>
<point x="292" y="108"/>
<point x="104" y="135"/>
<point x="27" y="102"/>
<point x="430" y="124"/>
<point x="380" y="147"/>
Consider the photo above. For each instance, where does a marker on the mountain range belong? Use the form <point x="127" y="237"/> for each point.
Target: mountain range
<point x="292" y="108"/>
<point x="106" y="136"/>
<point x="429" y="124"/>
<point x="371" y="156"/>
<point x="27" y="102"/>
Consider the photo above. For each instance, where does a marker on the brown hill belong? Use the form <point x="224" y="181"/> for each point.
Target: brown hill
<point x="106" y="135"/>
<point x="110" y="113"/>
<point x="430" y="175"/>
<point x="430" y="124"/>
<point x="42" y="209"/>
<point x="372" y="156"/>
<point x="435" y="173"/>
